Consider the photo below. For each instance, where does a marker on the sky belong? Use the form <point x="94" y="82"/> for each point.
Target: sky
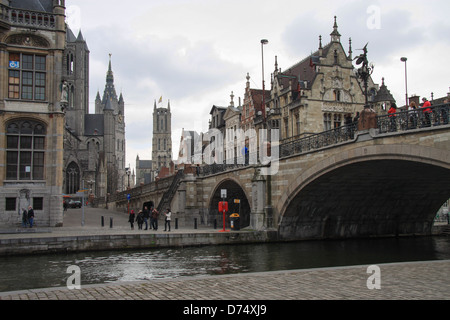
<point x="196" y="52"/>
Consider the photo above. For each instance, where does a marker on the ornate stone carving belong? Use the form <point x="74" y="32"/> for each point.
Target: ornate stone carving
<point x="28" y="40"/>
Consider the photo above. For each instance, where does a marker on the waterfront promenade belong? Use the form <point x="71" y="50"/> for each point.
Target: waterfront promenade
<point x="398" y="281"/>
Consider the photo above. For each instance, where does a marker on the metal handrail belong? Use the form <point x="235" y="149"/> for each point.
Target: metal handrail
<point x="419" y="118"/>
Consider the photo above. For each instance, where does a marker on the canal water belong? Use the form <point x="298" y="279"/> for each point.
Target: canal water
<point x="44" y="271"/>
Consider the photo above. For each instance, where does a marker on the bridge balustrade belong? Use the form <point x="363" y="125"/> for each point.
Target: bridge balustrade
<point x="296" y="145"/>
<point x="414" y="119"/>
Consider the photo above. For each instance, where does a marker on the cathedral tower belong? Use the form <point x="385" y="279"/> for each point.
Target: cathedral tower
<point x="162" y="139"/>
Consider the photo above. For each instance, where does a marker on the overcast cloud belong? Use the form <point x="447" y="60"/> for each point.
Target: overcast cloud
<point x="195" y="52"/>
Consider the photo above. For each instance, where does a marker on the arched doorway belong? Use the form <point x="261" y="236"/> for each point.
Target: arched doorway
<point x="234" y="193"/>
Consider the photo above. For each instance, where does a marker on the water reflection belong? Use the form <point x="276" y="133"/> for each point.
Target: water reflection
<point x="18" y="273"/>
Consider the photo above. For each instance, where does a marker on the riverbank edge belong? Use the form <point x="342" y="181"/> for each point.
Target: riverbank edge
<point x="49" y="244"/>
<point x="54" y="244"/>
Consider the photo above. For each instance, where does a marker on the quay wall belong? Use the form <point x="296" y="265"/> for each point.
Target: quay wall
<point x="69" y="244"/>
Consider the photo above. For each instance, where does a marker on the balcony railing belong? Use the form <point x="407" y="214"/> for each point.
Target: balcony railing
<point x="27" y="18"/>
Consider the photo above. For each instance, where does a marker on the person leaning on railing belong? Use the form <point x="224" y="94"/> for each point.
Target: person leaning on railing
<point x="426" y="108"/>
<point x="412" y="110"/>
<point x="392" y="115"/>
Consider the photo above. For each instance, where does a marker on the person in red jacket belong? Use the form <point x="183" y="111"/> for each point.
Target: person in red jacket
<point x="392" y="115"/>
<point x="426" y="108"/>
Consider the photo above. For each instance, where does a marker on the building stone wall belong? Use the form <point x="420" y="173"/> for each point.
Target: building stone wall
<point x="47" y="40"/>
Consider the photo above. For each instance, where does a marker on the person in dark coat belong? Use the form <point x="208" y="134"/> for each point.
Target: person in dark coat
<point x="131" y="219"/>
<point x="140" y="219"/>
<point x="30" y="216"/>
<point x="24" y="218"/>
<point x="155" y="216"/>
<point x="146" y="217"/>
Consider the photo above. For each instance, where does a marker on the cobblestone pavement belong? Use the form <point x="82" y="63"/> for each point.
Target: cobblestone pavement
<point x="398" y="281"/>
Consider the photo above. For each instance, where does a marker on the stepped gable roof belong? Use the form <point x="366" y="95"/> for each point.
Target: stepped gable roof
<point x="257" y="96"/>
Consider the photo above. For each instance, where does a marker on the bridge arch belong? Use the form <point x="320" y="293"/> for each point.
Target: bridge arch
<point x="367" y="191"/>
<point x="234" y="191"/>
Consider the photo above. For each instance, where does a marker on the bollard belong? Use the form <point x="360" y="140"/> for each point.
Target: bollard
<point x="103" y="221"/>
<point x="195" y="223"/>
<point x="111" y="223"/>
<point x="215" y="223"/>
<point x="176" y="223"/>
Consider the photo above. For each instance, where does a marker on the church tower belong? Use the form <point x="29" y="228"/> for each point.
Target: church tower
<point x="162" y="139"/>
<point x="76" y="76"/>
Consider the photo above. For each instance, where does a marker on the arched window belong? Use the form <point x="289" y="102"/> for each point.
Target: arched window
<point x="25" y="150"/>
<point x="72" y="178"/>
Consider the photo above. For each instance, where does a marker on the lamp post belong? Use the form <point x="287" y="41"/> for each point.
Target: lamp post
<point x="404" y="59"/>
<point x="263" y="42"/>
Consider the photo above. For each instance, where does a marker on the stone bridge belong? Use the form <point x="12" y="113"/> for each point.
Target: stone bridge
<point x="387" y="180"/>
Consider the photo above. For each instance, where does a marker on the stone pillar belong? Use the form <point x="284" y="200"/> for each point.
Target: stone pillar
<point x="258" y="201"/>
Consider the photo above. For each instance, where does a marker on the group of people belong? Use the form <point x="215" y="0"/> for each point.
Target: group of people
<point x="149" y="218"/>
<point x="27" y="217"/>
<point x="412" y="109"/>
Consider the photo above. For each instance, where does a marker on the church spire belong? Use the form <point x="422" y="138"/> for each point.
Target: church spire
<point x="335" y="35"/>
<point x="110" y="74"/>
<point x="110" y="90"/>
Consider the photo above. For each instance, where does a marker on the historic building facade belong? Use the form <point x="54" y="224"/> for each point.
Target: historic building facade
<point x="32" y="105"/>
<point x="94" y="144"/>
<point x="316" y="94"/>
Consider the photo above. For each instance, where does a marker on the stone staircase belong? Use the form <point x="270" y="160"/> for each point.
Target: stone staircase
<point x="170" y="193"/>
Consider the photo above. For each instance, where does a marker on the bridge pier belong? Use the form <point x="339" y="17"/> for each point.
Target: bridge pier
<point x="261" y="216"/>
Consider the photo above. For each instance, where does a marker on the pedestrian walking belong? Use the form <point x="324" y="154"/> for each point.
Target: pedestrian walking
<point x="24" y="218"/>
<point x="30" y="216"/>
<point x="146" y="217"/>
<point x="155" y="216"/>
<point x="140" y="219"/>
<point x="168" y="215"/>
<point x="131" y="219"/>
